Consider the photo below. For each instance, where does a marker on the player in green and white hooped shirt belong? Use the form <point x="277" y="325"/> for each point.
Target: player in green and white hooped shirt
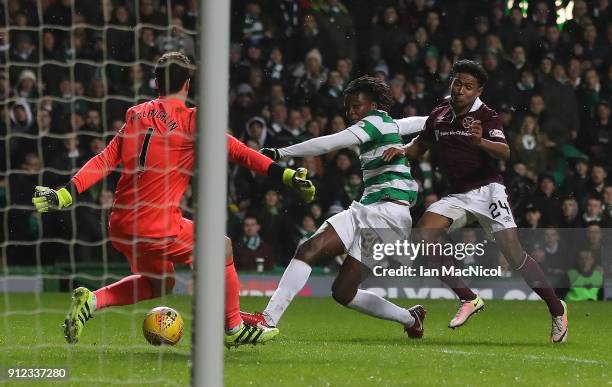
<point x="385" y="204"/>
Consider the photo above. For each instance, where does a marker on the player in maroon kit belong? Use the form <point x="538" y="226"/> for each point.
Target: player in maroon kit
<point x="467" y="137"/>
<point x="156" y="148"/>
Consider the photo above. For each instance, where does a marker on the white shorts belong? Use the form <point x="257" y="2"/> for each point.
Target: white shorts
<point x="389" y="221"/>
<point x="488" y="205"/>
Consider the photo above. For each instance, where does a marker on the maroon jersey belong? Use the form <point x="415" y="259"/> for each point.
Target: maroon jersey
<point x="465" y="165"/>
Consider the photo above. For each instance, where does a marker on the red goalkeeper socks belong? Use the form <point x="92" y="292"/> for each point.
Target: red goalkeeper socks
<point x="232" y="296"/>
<point x="134" y="288"/>
<point x="127" y="291"/>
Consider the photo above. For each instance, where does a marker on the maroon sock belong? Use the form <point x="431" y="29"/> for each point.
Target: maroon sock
<point x="535" y="278"/>
<point x="459" y="287"/>
<point x="455" y="283"/>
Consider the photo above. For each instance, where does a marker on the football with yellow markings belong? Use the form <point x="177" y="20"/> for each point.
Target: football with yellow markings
<point x="163" y="326"/>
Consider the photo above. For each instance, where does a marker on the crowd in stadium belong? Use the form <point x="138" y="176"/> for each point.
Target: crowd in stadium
<point x="67" y="82"/>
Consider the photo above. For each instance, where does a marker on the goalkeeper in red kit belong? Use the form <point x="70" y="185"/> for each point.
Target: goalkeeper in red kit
<point x="156" y="148"/>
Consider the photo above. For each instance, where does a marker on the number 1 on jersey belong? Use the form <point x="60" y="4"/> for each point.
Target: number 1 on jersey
<point x="143" y="151"/>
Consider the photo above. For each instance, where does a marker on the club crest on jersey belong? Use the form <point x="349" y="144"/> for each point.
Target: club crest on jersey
<point x="467" y="121"/>
<point x="496" y="133"/>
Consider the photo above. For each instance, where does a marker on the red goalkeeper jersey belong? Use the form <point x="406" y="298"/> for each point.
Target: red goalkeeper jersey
<point x="156" y="148"/>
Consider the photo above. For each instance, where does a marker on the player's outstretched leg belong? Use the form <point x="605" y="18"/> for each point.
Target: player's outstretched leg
<point x="131" y="289"/>
<point x="81" y="310"/>
<point x="126" y="291"/>
<point x="324" y="244"/>
<point x="431" y="229"/>
<point x="346" y="292"/>
<point x="470" y="302"/>
<point x="509" y="244"/>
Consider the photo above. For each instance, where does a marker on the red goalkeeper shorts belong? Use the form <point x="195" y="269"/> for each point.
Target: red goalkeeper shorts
<point x="156" y="256"/>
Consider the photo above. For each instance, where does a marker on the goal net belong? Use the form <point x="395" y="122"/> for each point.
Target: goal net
<point x="69" y="70"/>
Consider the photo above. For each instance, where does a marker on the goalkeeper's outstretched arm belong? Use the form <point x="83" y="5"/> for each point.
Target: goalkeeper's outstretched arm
<point x="241" y="154"/>
<point x="94" y="170"/>
<point x="99" y="166"/>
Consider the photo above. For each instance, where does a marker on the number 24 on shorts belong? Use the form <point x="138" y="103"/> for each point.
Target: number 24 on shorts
<point x="494" y="208"/>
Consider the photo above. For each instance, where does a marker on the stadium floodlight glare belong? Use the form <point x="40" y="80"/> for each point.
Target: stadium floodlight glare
<point x="208" y="295"/>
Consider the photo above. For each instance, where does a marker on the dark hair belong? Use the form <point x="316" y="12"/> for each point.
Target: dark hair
<point x="472" y="68"/>
<point x="250" y="216"/>
<point x="173" y="69"/>
<point x="377" y="91"/>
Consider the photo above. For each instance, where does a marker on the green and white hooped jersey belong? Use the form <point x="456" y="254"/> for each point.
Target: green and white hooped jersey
<point x="382" y="180"/>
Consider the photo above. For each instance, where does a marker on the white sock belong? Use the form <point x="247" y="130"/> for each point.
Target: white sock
<point x="293" y="280"/>
<point x="376" y="306"/>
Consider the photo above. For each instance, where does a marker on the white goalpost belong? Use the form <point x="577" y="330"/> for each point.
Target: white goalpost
<point x="79" y="67"/>
<point x="209" y="281"/>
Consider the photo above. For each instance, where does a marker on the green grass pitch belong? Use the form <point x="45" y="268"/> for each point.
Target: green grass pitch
<point x="321" y="343"/>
